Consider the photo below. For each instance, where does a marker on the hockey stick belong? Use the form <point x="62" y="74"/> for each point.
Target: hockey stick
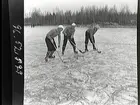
<point x="97" y="48"/>
<point x="77" y="48"/>
<point x="58" y="54"/>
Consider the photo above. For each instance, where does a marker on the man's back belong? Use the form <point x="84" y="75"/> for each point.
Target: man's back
<point x="69" y="30"/>
<point x="53" y="33"/>
<point x="92" y="31"/>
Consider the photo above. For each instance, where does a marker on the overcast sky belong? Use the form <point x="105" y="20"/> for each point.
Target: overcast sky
<point x="50" y="5"/>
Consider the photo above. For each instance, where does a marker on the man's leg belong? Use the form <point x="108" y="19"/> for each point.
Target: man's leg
<point x="86" y="40"/>
<point x="53" y="49"/>
<point x="47" y="55"/>
<point x="48" y="43"/>
<point x="72" y="42"/>
<point x="93" y="43"/>
<point x="51" y="55"/>
<point x="64" y="44"/>
<point x="94" y="48"/>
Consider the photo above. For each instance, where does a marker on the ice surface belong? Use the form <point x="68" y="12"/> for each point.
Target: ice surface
<point x="109" y="78"/>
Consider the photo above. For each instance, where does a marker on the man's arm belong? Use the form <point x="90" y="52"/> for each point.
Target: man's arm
<point x="92" y="32"/>
<point x="64" y="32"/>
<point x="72" y="36"/>
<point x="49" y="36"/>
<point x="59" y="40"/>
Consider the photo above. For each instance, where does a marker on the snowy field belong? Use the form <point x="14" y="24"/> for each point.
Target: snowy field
<point x="109" y="78"/>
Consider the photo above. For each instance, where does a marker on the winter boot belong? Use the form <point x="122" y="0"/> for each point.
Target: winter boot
<point x="74" y="49"/>
<point x="76" y="52"/>
<point x="47" y="56"/>
<point x="63" y="49"/>
<point x="86" y="49"/>
<point x="51" y="55"/>
<point x="94" y="48"/>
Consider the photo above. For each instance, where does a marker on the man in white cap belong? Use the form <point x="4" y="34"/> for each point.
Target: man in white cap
<point x="69" y="35"/>
<point x="51" y="45"/>
<point x="89" y="35"/>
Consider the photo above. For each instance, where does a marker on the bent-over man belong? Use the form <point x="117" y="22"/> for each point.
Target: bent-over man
<point x="89" y="35"/>
<point x="69" y="35"/>
<point x="50" y="42"/>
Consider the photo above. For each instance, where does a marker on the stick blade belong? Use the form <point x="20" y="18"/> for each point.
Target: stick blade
<point x="99" y="51"/>
<point x="82" y="52"/>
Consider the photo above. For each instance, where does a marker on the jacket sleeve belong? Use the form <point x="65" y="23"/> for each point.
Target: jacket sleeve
<point x="94" y="31"/>
<point x="59" y="39"/>
<point x="73" y="33"/>
<point x="64" y="32"/>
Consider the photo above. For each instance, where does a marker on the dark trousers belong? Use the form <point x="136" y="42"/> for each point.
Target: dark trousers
<point x="72" y="42"/>
<point x="87" y="38"/>
<point x="51" y="46"/>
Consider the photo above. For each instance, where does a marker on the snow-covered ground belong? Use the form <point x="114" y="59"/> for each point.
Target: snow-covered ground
<point x="109" y="78"/>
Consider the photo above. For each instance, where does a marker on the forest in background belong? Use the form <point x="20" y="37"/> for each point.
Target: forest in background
<point x="84" y="16"/>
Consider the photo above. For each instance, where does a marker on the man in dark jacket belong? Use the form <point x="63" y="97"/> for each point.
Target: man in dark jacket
<point x="89" y="35"/>
<point x="69" y="35"/>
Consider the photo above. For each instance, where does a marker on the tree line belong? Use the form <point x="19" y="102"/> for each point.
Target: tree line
<point x="84" y="16"/>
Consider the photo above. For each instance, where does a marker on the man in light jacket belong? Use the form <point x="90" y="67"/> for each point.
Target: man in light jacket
<point x="50" y="42"/>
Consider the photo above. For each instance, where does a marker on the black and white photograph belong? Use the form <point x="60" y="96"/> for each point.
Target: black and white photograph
<point x="80" y="52"/>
